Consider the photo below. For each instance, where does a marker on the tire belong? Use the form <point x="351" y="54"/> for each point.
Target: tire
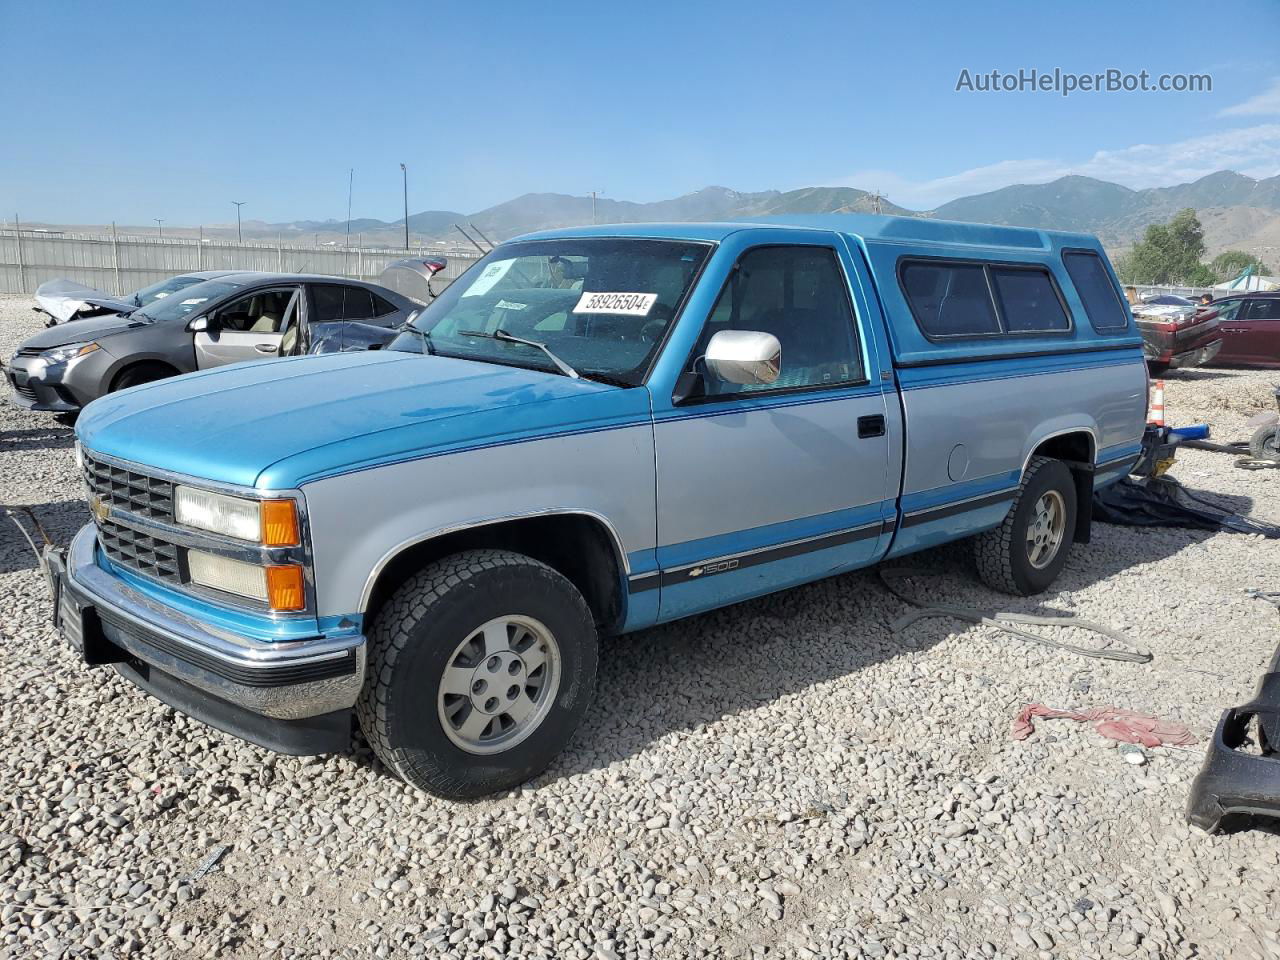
<point x="141" y="373"/>
<point x="433" y="623"/>
<point x="1004" y="555"/>
<point x="1265" y="442"/>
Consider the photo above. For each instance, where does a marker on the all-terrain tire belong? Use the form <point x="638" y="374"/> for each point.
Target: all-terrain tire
<point x="1002" y="556"/>
<point x="413" y="640"/>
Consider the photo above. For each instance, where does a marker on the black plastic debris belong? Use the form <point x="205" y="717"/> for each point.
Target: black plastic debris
<point x="1239" y="785"/>
<point x="1163" y="502"/>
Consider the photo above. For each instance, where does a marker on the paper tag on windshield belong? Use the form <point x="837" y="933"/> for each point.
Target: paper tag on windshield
<point x="625" y="304"/>
<point x="509" y="305"/>
<point x="193" y="301"/>
<point x="489" y="276"/>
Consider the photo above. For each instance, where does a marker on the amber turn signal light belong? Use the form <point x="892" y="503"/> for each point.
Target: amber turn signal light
<point x="285" y="591"/>
<point x="280" y="523"/>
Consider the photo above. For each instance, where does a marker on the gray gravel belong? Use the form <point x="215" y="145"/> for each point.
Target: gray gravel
<point x="786" y="778"/>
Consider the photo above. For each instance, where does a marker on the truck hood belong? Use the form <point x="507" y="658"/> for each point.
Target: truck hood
<point x="281" y="423"/>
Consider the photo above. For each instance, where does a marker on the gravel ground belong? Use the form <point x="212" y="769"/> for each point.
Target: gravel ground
<point x="785" y="778"/>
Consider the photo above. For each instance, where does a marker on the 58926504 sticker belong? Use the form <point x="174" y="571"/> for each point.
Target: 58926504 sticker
<point x="624" y="304"/>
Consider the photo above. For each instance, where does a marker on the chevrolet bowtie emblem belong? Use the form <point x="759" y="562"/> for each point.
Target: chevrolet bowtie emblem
<point x="100" y="509"/>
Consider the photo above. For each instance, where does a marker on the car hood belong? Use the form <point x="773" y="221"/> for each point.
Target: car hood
<point x="90" y="328"/>
<point x="63" y="299"/>
<point x="281" y="423"/>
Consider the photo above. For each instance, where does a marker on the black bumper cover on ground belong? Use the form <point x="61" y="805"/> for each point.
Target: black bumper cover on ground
<point x="1237" y="789"/>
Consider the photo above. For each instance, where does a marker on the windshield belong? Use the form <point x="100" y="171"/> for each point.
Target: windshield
<point x="158" y="291"/>
<point x="601" y="304"/>
<point x="193" y="298"/>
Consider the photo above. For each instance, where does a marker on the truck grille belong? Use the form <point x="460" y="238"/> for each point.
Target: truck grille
<point x="127" y="490"/>
<point x="140" y="551"/>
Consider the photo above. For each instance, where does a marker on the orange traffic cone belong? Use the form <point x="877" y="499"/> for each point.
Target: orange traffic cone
<point x="1155" y="414"/>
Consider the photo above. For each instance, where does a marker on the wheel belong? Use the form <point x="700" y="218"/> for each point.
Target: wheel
<point x="1025" y="554"/>
<point x="480" y="668"/>
<point x="141" y="373"/>
<point x="1265" y="442"/>
<point x="1157" y="369"/>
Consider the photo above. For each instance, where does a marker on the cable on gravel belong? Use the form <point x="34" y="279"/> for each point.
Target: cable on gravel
<point x="1003" y="621"/>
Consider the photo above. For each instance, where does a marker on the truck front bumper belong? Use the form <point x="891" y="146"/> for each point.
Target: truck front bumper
<point x="291" y="696"/>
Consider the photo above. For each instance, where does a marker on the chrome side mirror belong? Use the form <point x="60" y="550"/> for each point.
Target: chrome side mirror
<point x="199" y="325"/>
<point x="744" y="356"/>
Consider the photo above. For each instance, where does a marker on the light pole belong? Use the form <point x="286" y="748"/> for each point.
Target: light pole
<point x="239" y="204"/>
<point x="404" y="172"/>
<point x="160" y="225"/>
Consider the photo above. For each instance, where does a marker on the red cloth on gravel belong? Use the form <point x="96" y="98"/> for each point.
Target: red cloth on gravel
<point x="1112" y="722"/>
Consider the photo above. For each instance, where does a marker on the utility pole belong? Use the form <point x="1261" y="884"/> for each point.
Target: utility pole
<point x="160" y="225"/>
<point x="593" y="206"/>
<point x="351" y="179"/>
<point x="404" y="172"/>
<point x="239" y="204"/>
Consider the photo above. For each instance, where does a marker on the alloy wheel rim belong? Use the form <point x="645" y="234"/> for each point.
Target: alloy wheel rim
<point x="1044" y="533"/>
<point x="499" y="684"/>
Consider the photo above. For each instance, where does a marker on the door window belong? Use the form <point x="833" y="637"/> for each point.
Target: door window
<point x="335" y="301"/>
<point x="1263" y="308"/>
<point x="358" y="304"/>
<point x="799" y="295"/>
<point x="1227" y="309"/>
<point x="263" y="311"/>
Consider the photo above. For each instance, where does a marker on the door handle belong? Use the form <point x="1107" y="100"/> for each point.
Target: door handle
<point x="871" y="426"/>
<point x="266" y="347"/>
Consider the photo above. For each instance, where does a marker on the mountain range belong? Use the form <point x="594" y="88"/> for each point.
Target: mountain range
<point x="1237" y="210"/>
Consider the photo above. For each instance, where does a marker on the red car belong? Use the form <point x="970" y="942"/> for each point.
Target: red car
<point x="1250" y="325"/>
<point x="1177" y="333"/>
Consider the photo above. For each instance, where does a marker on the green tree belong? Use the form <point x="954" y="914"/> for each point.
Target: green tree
<point x="1231" y="263"/>
<point x="1168" y="252"/>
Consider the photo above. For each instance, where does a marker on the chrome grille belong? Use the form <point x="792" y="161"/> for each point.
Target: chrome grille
<point x="128" y="490"/>
<point x="30" y="351"/>
<point x="140" y="551"/>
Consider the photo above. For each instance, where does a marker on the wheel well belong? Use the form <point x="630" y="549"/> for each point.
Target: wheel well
<point x="158" y="365"/>
<point x="1075" y="449"/>
<point x="576" y="545"/>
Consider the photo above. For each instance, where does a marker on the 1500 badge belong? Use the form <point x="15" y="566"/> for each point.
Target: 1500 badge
<point x="712" y="568"/>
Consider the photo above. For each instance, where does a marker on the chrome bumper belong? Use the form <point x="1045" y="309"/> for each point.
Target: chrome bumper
<point x="288" y="680"/>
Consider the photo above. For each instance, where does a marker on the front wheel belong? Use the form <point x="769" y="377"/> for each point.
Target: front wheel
<point x="1025" y="554"/>
<point x="480" y="669"/>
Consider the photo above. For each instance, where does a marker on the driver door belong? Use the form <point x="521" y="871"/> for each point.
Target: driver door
<point x="251" y="327"/>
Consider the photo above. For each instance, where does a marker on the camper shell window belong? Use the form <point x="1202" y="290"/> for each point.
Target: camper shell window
<point x="966" y="299"/>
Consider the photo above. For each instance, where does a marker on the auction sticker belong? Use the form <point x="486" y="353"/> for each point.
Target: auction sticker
<point x="489" y="277"/>
<point x="626" y="304"/>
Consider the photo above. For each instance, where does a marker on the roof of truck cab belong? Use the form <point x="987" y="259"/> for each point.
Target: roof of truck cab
<point x="869" y="227"/>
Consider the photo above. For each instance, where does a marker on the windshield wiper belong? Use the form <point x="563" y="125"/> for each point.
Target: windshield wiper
<point x="503" y="337"/>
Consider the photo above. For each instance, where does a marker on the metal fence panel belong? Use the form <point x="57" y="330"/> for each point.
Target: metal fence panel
<point x="121" y="265"/>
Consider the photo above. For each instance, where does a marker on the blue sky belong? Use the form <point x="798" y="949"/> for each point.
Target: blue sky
<point x="123" y="112"/>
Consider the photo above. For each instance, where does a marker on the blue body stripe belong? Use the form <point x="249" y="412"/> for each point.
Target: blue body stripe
<point x="772" y="535"/>
<point x="976" y="371"/>
<point x="944" y="496"/>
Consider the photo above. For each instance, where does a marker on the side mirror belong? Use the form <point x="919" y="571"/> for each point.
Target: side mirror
<point x="744" y="356"/>
<point x="200" y="325"/>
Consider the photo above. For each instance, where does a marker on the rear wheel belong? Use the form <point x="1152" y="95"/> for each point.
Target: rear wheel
<point x="1025" y="554"/>
<point x="480" y="669"/>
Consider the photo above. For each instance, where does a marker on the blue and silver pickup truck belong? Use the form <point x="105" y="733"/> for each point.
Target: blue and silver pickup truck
<point x="592" y="431"/>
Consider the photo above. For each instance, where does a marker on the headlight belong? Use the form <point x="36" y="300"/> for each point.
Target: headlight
<point x="69" y="352"/>
<point x="279" y="586"/>
<point x="273" y="523"/>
